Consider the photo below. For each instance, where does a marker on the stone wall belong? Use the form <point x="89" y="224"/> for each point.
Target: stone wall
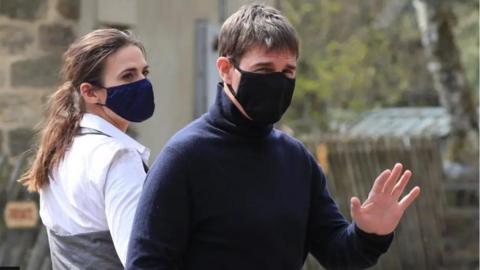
<point x="33" y="36"/>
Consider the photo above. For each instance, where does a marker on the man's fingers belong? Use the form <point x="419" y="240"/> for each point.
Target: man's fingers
<point x="401" y="184"/>
<point x="380" y="181"/>
<point x="355" y="206"/>
<point x="409" y="198"/>
<point x="390" y="183"/>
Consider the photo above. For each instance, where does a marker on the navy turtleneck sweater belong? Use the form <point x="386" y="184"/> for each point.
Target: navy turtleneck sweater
<point x="225" y="193"/>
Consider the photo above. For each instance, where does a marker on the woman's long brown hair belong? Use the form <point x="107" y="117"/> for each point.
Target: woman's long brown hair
<point x="83" y="62"/>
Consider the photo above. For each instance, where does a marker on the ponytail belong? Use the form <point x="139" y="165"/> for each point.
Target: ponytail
<point x="65" y="110"/>
<point x="83" y="62"/>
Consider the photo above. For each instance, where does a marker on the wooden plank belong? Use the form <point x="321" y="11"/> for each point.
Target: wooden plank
<point x="460" y="185"/>
<point x="378" y="154"/>
<point x="40" y="251"/>
<point x="408" y="233"/>
<point x="16" y="244"/>
<point x="46" y="264"/>
<point x="354" y="165"/>
<point x="426" y="223"/>
<point x="14" y="189"/>
<point x="466" y="212"/>
<point x="3" y="198"/>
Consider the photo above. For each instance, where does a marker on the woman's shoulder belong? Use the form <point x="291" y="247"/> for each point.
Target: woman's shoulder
<point x="96" y="155"/>
<point x="100" y="145"/>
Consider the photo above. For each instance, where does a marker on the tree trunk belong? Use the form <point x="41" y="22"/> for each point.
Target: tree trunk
<point x="435" y="20"/>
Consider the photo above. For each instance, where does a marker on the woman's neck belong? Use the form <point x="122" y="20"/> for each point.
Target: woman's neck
<point x="114" y="120"/>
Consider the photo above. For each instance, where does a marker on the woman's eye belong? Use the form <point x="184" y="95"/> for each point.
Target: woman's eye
<point x="127" y="76"/>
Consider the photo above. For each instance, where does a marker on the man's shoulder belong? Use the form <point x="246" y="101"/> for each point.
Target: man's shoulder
<point x="182" y="146"/>
<point x="188" y="135"/>
<point x="288" y="140"/>
<point x="298" y="147"/>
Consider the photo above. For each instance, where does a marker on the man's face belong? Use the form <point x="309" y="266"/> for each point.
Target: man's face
<point x="258" y="60"/>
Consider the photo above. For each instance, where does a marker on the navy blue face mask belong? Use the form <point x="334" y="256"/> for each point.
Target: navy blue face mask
<point x="132" y="101"/>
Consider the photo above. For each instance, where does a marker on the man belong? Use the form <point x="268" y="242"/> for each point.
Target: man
<point x="231" y="192"/>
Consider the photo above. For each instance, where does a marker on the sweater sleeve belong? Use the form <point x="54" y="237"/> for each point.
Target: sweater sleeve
<point x="160" y="230"/>
<point x="333" y="241"/>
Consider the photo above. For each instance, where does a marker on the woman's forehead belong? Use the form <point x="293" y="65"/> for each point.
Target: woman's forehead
<point x="126" y="57"/>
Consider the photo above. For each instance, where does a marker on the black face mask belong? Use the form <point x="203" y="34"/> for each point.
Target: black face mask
<point x="264" y="97"/>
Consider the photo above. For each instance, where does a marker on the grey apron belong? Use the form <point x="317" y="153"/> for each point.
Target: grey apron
<point x="93" y="250"/>
<point x="83" y="251"/>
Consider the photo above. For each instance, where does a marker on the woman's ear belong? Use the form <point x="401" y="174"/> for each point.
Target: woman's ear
<point x="89" y="93"/>
<point x="224" y="68"/>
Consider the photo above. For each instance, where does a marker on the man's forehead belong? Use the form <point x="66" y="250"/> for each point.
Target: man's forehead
<point x="261" y="56"/>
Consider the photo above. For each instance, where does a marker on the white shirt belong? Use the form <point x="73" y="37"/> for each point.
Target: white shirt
<point x="97" y="185"/>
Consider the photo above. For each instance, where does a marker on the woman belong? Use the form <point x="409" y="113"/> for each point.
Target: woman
<point x="89" y="173"/>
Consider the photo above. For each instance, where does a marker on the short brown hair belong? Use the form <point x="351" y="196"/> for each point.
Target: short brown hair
<point x="256" y="25"/>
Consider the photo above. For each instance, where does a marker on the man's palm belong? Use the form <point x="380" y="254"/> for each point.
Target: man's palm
<point x="381" y="212"/>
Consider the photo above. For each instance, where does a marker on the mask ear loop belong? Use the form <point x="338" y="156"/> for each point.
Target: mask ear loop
<point x="99" y="86"/>
<point x="232" y="95"/>
<point x="234" y="64"/>
<point x="228" y="86"/>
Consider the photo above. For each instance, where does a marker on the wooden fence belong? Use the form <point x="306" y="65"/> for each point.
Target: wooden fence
<point x="24" y="247"/>
<point x="353" y="164"/>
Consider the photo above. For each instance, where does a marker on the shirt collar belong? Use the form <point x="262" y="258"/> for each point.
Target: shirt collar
<point x="96" y="122"/>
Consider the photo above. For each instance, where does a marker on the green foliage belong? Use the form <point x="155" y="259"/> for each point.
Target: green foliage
<point x="349" y="64"/>
<point x="467" y="36"/>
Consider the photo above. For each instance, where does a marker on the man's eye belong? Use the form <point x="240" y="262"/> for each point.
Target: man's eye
<point x="263" y="70"/>
<point x="289" y="73"/>
<point x="145" y="73"/>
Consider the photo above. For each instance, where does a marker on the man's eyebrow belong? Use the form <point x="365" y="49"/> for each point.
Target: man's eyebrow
<point x="270" y="64"/>
<point x="291" y="66"/>
<point x="263" y="64"/>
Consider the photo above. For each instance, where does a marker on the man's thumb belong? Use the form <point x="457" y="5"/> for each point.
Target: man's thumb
<point x="354" y="206"/>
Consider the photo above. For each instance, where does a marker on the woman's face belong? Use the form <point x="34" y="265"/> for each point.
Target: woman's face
<point x="126" y="65"/>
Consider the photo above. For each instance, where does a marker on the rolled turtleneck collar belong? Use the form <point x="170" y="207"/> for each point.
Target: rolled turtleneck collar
<point x="224" y="115"/>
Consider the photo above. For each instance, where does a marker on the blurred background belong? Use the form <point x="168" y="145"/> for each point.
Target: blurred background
<point x="378" y="81"/>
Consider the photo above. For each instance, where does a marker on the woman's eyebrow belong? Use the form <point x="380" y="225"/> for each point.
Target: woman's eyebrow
<point x="132" y="69"/>
<point x="127" y="70"/>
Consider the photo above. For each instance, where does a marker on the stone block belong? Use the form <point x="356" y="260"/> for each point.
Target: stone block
<point x="37" y="72"/>
<point x="3" y="77"/>
<point x="5" y="174"/>
<point x="23" y="9"/>
<point x="1" y="143"/>
<point x="69" y="9"/>
<point x="23" y="107"/>
<point x="14" y="38"/>
<point x="20" y="140"/>
<point x="55" y="37"/>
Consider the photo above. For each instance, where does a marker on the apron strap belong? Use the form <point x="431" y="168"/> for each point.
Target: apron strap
<point x="90" y="131"/>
